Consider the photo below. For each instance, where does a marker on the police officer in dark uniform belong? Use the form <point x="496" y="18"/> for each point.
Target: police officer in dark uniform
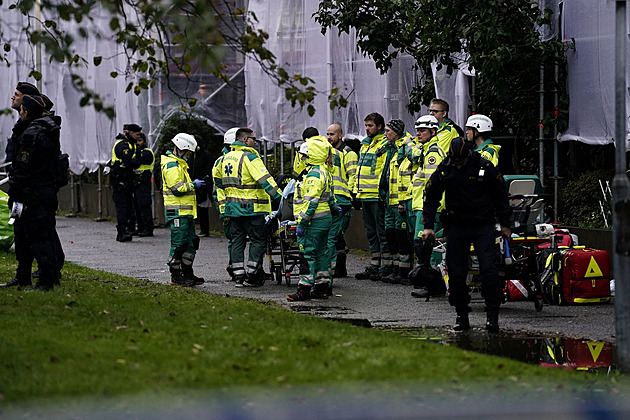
<point x="125" y="159"/>
<point x="475" y="196"/>
<point x="143" y="205"/>
<point x="33" y="196"/>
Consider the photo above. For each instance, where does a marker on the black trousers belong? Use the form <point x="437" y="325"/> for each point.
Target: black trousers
<point x="142" y="216"/>
<point x="35" y="238"/>
<point x="123" y="200"/>
<point x="459" y="238"/>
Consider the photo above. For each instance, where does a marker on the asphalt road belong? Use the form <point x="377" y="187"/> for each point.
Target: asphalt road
<point x="92" y="244"/>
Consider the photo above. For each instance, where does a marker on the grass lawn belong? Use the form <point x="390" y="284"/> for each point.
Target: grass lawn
<point x="103" y="335"/>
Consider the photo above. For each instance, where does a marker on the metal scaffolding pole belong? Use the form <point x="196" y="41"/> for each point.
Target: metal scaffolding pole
<point x="621" y="196"/>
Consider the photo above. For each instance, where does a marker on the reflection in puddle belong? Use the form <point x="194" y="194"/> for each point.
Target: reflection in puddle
<point x="548" y="351"/>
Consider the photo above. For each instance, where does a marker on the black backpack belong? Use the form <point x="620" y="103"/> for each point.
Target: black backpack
<point x="62" y="171"/>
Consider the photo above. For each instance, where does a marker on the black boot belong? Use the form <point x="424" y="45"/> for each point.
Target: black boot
<point x="462" y="322"/>
<point x="188" y="272"/>
<point x="340" y="267"/>
<point x="369" y="271"/>
<point x="320" y="291"/>
<point x="393" y="278"/>
<point x="303" y="293"/>
<point x="17" y="282"/>
<point x="492" y="319"/>
<point x="178" y="278"/>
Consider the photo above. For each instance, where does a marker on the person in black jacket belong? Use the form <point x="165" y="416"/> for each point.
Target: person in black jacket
<point x="33" y="196"/>
<point x="475" y="197"/>
<point x="22" y="88"/>
<point x="142" y="202"/>
<point x="125" y="159"/>
<point x="201" y="168"/>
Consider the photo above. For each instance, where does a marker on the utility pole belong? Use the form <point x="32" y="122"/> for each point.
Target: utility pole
<point x="621" y="196"/>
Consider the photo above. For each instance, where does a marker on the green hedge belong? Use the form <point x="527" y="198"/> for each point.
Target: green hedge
<point x="579" y="200"/>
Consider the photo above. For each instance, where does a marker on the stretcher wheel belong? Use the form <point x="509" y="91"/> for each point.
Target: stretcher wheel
<point x="278" y="274"/>
<point x="287" y="277"/>
<point x="538" y="304"/>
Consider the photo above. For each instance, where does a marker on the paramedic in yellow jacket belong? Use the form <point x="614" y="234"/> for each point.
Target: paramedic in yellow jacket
<point x="247" y="185"/>
<point x="395" y="222"/>
<point x="312" y="205"/>
<point x="180" y="209"/>
<point x="447" y="129"/>
<point x="218" y="194"/>
<point x="432" y="156"/>
<point x="478" y="130"/>
<point x="373" y="158"/>
<point x="409" y="159"/>
<point x="344" y="175"/>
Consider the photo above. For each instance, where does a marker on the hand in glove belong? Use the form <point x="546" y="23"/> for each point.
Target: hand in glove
<point x="300" y="231"/>
<point x="198" y="183"/>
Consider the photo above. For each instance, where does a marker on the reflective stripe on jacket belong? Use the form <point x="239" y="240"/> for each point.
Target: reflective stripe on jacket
<point x="372" y="159"/>
<point x="409" y="154"/>
<point x="177" y="188"/>
<point x="344" y="173"/>
<point x="313" y="195"/>
<point x="433" y="156"/>
<point x="246" y="182"/>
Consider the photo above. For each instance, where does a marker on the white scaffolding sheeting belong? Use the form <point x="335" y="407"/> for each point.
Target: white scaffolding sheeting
<point x="591" y="68"/>
<point x="86" y="135"/>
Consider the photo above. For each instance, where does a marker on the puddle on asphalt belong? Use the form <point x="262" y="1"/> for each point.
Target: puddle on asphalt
<point x="548" y="351"/>
<point x="536" y="349"/>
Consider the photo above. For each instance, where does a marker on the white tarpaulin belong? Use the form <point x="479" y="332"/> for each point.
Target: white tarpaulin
<point x="591" y="70"/>
<point x="86" y="135"/>
<point x="331" y="61"/>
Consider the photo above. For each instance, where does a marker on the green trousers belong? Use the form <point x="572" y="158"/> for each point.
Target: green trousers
<point x="374" y="221"/>
<point x="241" y="228"/>
<point x="184" y="242"/>
<point x="313" y="246"/>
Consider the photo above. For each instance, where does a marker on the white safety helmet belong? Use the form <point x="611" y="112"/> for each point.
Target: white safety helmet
<point x="304" y="148"/>
<point x="427" y="121"/>
<point x="184" y="141"/>
<point x="230" y="136"/>
<point x="480" y="122"/>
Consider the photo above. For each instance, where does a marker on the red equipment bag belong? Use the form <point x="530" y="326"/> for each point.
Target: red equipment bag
<point x="585" y="276"/>
<point x="588" y="354"/>
<point x="575" y="275"/>
<point x="515" y="290"/>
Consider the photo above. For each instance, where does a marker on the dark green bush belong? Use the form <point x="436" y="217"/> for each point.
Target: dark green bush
<point x="579" y="200"/>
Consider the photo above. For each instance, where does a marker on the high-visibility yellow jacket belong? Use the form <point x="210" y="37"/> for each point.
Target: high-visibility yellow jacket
<point x="246" y="182"/>
<point x="314" y="194"/>
<point x="409" y="157"/>
<point x="177" y="188"/>
<point x="344" y="173"/>
<point x="218" y="194"/>
<point x="489" y="151"/>
<point x="372" y="159"/>
<point x="148" y="157"/>
<point x="433" y="155"/>
<point x="128" y="149"/>
<point x="446" y="133"/>
<point x="393" y="197"/>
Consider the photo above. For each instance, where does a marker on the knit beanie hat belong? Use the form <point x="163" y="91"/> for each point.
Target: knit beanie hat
<point x="27" y="88"/>
<point x="397" y="126"/>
